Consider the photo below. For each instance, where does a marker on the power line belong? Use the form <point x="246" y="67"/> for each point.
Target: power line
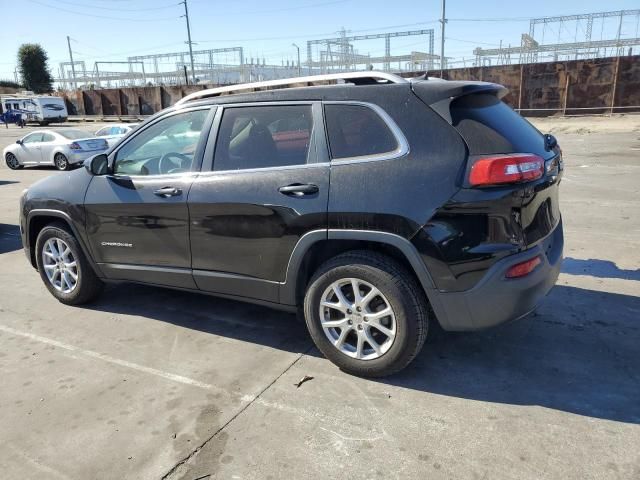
<point x="311" y="35"/>
<point x="120" y="9"/>
<point x="284" y="9"/>
<point x="496" y="19"/>
<point x="473" y="42"/>
<point x="101" y="16"/>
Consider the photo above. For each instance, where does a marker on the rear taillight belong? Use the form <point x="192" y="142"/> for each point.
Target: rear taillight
<point x="524" y="268"/>
<point x="75" y="146"/>
<point x="501" y="169"/>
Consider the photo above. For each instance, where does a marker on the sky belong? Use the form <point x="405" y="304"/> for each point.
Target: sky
<point x="111" y="30"/>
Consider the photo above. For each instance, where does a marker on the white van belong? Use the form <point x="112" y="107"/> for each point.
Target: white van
<point x="40" y="109"/>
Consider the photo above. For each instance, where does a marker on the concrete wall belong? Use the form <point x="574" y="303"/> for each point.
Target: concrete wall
<point x="129" y="101"/>
<point x="111" y="102"/>
<point x="150" y="100"/>
<point x="536" y="89"/>
<point x="556" y="87"/>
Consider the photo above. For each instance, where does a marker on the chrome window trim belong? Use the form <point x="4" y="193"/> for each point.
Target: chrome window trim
<point x="263" y="169"/>
<point x="400" y="151"/>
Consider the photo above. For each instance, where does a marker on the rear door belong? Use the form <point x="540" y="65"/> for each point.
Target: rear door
<point x="264" y="188"/>
<point x="46" y="147"/>
<point x="137" y="216"/>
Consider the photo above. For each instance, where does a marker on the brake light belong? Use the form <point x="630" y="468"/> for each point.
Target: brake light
<point x="75" y="146"/>
<point x="500" y="169"/>
<point x="524" y="268"/>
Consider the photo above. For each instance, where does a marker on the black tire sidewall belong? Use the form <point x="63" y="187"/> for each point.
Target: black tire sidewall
<point x="82" y="266"/>
<point x="406" y="327"/>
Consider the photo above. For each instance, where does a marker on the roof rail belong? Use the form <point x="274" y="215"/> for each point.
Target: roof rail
<point x="357" y="78"/>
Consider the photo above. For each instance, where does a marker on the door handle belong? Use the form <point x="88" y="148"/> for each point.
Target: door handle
<point x="167" y="192"/>
<point x="299" y="189"/>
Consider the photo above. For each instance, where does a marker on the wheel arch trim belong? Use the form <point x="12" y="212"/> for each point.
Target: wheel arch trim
<point x="46" y="212"/>
<point x="406" y="248"/>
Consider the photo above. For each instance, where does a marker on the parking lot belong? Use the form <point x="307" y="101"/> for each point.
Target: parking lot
<point x="149" y="383"/>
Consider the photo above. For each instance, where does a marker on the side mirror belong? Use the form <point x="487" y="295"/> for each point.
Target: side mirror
<point x="97" y="165"/>
<point x="19" y="142"/>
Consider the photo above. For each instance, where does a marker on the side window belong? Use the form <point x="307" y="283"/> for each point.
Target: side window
<point x="356" y="131"/>
<point x="168" y="146"/>
<point x="265" y="136"/>
<point x="47" y="137"/>
<point x="34" y="137"/>
<point x="103" y="132"/>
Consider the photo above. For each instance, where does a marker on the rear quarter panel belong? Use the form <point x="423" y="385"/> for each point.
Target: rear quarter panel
<point x="401" y="195"/>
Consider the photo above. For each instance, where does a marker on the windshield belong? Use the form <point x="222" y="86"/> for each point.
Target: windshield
<point x="74" y="134"/>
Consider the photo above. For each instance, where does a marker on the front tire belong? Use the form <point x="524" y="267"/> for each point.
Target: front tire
<point x="366" y="313"/>
<point x="61" y="162"/>
<point x="63" y="267"/>
<point x="12" y="162"/>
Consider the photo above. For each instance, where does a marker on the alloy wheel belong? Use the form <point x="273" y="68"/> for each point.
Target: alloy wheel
<point x="357" y="319"/>
<point x="61" y="162"/>
<point x="59" y="265"/>
<point x="12" y="161"/>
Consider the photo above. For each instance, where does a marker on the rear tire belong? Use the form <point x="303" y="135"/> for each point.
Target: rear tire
<point x="63" y="267"/>
<point x="390" y="310"/>
<point x="12" y="162"/>
<point x="61" y="162"/>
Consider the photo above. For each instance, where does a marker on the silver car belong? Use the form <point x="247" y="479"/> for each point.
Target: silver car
<point x="62" y="148"/>
<point x="114" y="133"/>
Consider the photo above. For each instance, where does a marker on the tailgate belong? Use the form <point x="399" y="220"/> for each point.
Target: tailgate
<point x="91" y="144"/>
<point x="489" y="126"/>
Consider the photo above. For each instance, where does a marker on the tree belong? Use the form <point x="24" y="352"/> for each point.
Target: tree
<point x="32" y="61"/>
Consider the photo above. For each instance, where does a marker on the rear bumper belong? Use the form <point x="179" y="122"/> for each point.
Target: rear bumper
<point x="496" y="299"/>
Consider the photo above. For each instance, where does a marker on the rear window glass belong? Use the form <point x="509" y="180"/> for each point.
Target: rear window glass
<point x="490" y="126"/>
<point x="74" y="134"/>
<point x="356" y="130"/>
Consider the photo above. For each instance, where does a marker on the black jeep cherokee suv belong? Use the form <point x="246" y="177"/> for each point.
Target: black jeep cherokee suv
<point x="377" y="205"/>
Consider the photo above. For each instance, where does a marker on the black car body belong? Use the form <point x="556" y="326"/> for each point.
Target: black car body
<point x="388" y="169"/>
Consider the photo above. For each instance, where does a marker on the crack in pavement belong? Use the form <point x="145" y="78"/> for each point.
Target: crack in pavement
<point x="182" y="462"/>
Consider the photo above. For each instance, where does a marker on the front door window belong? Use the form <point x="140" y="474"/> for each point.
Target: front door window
<point x="166" y="147"/>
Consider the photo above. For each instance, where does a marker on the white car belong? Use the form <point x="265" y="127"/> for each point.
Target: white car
<point x="63" y="148"/>
<point x="113" y="133"/>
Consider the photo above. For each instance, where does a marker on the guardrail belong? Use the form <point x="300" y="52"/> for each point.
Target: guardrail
<point x="584" y="110"/>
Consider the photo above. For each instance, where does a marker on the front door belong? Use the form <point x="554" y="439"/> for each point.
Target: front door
<point x="137" y="216"/>
<point x="31" y="149"/>
<point x="266" y="187"/>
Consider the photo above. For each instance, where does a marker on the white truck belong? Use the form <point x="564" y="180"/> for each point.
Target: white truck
<point x="42" y="109"/>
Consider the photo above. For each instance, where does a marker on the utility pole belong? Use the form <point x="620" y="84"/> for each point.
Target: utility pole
<point x="73" y="67"/>
<point x="186" y="16"/>
<point x="298" y="48"/>
<point x="443" y="21"/>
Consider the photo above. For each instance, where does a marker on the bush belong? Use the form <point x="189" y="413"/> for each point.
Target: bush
<point x="34" y="68"/>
